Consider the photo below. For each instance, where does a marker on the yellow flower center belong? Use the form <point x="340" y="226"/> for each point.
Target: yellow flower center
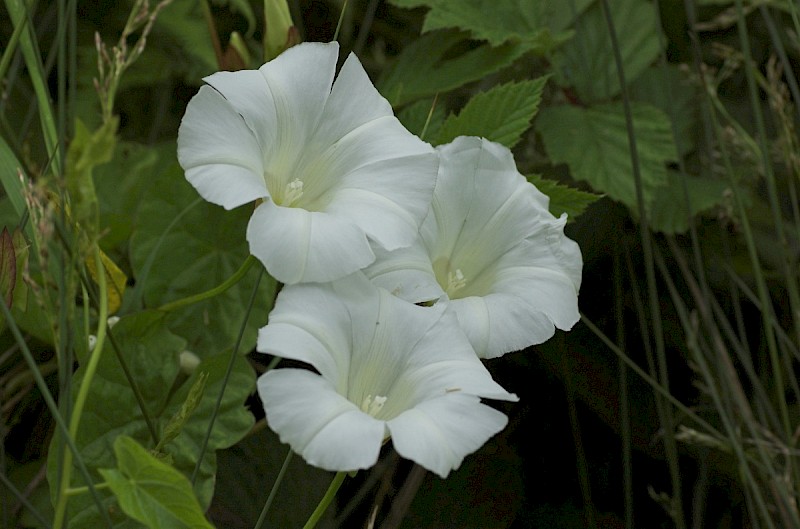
<point x="455" y="282"/>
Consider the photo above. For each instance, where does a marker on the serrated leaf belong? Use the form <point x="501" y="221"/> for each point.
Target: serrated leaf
<point x="414" y="116"/>
<point x="587" y="63"/>
<point x="421" y="70"/>
<point x="563" y="198"/>
<point x="670" y="212"/>
<point x="501" y="114"/>
<point x="151" y="353"/>
<point x="526" y="21"/>
<point x="202" y="249"/>
<point x="670" y="89"/>
<point x="593" y="142"/>
<point x="150" y="491"/>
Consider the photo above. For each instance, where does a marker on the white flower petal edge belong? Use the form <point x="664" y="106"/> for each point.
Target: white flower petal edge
<point x="330" y="152"/>
<point x="387" y="368"/>
<point x="491" y="251"/>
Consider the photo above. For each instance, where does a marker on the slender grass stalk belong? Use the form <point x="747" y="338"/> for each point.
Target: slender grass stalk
<point x="234" y="355"/>
<point x="665" y="413"/>
<point x="83" y="391"/>
<point x="18" y="12"/>
<point x="577" y="440"/>
<point x="624" y="410"/>
<point x="24" y="502"/>
<point x="11" y="47"/>
<point x="54" y="411"/>
<point x="326" y="500"/>
<point x="274" y="491"/>
<point x="772" y="192"/>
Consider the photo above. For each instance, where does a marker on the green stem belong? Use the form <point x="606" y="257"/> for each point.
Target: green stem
<point x="274" y="490"/>
<point x="339" y="23"/>
<point x="83" y="392"/>
<point x="74" y="491"/>
<point x="326" y="500"/>
<point x="235" y="278"/>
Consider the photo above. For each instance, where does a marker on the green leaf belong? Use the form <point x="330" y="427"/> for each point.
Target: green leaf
<point x="668" y="88"/>
<point x="670" y="212"/>
<point x="86" y="151"/>
<point x="182" y="21"/>
<point x="150" y="491"/>
<point x="421" y="70"/>
<point x="203" y="248"/>
<point x="527" y="21"/>
<point x="10" y="178"/>
<point x="563" y="198"/>
<point x="502" y="114"/>
<point x="151" y="353"/>
<point x="593" y="142"/>
<point x="586" y="62"/>
<point x="414" y="116"/>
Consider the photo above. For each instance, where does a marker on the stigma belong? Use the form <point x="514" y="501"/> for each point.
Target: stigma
<point x="372" y="406"/>
<point x="292" y="192"/>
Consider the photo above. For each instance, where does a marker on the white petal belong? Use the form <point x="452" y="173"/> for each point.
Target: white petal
<point x="482" y="205"/>
<point x="300" y="81"/>
<point x="406" y="273"/>
<point x="296" y="245"/>
<point x="439" y="433"/>
<point x="248" y="92"/>
<point x="387" y="199"/>
<point x="326" y="429"/>
<point x="353" y="102"/>
<point x="219" y="152"/>
<point x="311" y="323"/>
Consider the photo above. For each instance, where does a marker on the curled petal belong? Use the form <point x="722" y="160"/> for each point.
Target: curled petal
<point x="296" y="245"/>
<point x="325" y="428"/>
<point x="222" y="162"/>
<point x="437" y="434"/>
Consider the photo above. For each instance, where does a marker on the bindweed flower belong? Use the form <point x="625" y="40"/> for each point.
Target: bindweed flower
<point x="335" y="169"/>
<point x="387" y="368"/>
<point x="490" y="250"/>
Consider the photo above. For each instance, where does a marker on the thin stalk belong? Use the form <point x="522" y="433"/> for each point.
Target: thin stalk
<point x="234" y="355"/>
<point x="274" y="491"/>
<point x="53" y="408"/>
<point x="83" y="391"/>
<point x="11" y="47"/>
<point x="326" y="500"/>
<point x="624" y="411"/>
<point x="216" y="291"/>
<point x="18" y="11"/>
<point x="339" y="23"/>
<point x="24" y="501"/>
<point x="665" y="415"/>
<point x="653" y="383"/>
<point x="772" y="192"/>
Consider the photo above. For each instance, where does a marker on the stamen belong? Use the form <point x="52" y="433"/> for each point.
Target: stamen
<point x="455" y="281"/>
<point x="293" y="192"/>
<point x="372" y="406"/>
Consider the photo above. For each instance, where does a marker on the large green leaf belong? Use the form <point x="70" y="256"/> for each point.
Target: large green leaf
<point x="587" y="62"/>
<point x="669" y="88"/>
<point x="150" y="491"/>
<point x="422" y="70"/>
<point x="152" y="356"/>
<point x="526" y="21"/>
<point x="502" y="114"/>
<point x="593" y="142"/>
<point x="203" y="248"/>
<point x="563" y="198"/>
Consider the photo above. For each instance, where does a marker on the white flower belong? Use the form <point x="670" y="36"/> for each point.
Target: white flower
<point x="333" y="165"/>
<point x="387" y="368"/>
<point x="490" y="250"/>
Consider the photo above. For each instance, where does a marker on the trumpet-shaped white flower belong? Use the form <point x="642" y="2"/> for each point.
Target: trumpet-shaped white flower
<point x="490" y="250"/>
<point x="333" y="166"/>
<point x="387" y="368"/>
